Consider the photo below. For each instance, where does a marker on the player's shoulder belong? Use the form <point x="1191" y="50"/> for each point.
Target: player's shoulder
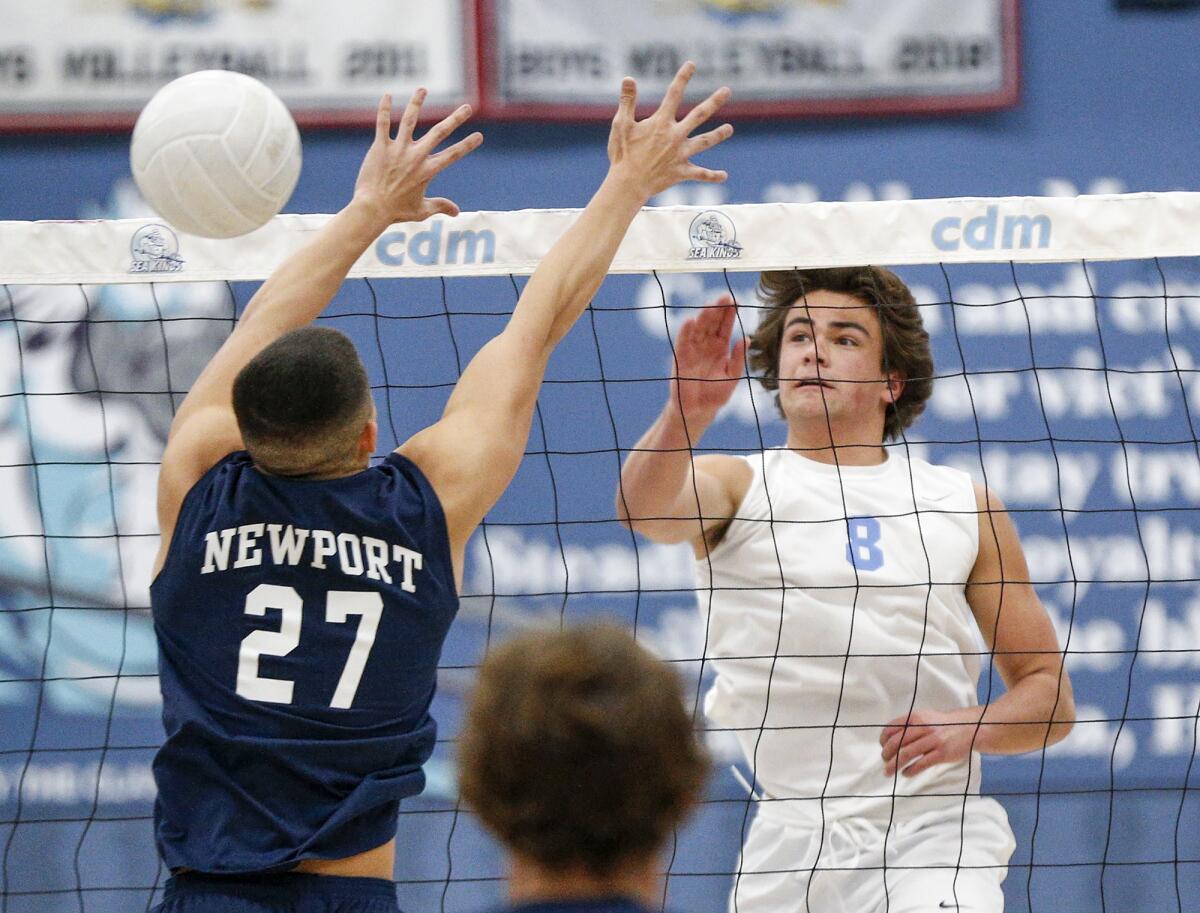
<point x="200" y="440"/>
<point x="188" y="500"/>
<point x="987" y="500"/>
<point x="734" y="474"/>
<point x="401" y="474"/>
<point x="202" y="484"/>
<point x="939" y="482"/>
<point x="725" y="465"/>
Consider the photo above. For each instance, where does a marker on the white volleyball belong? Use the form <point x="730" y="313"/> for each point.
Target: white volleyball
<point x="216" y="153"/>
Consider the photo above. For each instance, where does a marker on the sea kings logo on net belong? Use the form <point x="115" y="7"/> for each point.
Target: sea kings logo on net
<point x="713" y="236"/>
<point x="154" y="249"/>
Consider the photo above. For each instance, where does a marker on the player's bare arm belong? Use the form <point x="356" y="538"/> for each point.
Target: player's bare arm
<point x="471" y="454"/>
<point x="390" y="188"/>
<point x="665" y="492"/>
<point x="1038" y="707"/>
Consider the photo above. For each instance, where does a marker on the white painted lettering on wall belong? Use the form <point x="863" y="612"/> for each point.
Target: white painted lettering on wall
<point x="515" y="564"/>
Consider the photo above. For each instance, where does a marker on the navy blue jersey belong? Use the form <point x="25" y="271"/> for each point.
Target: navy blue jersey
<point x="299" y="627"/>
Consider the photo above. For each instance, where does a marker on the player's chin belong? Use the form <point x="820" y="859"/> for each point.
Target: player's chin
<point x="809" y="404"/>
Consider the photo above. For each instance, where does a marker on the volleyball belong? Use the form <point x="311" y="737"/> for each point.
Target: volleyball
<point x="216" y="153"/>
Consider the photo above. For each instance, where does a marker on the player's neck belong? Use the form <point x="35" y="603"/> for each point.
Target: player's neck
<point x="859" y="446"/>
<point x="530" y="882"/>
<point x="332" y="469"/>
<point x="339" y="472"/>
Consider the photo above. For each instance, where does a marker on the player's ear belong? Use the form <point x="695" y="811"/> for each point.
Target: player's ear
<point x="368" y="438"/>
<point x="894" y="389"/>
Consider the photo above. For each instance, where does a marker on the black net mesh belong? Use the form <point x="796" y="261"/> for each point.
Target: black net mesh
<point x="1069" y="389"/>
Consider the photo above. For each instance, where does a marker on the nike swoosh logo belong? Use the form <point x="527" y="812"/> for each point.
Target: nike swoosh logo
<point x="951" y="906"/>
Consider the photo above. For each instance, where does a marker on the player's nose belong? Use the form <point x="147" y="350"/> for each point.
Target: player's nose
<point x="814" y="353"/>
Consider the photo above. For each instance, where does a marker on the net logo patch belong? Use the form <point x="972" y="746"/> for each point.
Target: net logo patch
<point x="991" y="232"/>
<point x="434" y="246"/>
<point x="155" y="249"/>
<point x="713" y="236"/>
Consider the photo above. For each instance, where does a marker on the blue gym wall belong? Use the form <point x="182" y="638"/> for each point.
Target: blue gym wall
<point x="1108" y="105"/>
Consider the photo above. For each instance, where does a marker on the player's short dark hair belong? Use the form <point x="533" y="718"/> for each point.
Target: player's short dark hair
<point x="905" y="340"/>
<point x="577" y="751"/>
<point x="302" y="400"/>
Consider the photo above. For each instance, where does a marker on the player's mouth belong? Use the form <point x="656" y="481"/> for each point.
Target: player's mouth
<point x="815" y="382"/>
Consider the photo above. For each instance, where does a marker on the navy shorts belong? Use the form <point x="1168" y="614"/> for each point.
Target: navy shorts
<point x="283" y="893"/>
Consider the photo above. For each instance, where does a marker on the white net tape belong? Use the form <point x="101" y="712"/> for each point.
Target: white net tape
<point x="671" y="239"/>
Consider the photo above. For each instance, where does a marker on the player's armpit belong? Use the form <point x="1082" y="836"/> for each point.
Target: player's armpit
<point x="689" y="508"/>
<point x="722" y="482"/>
<point x="198" y="441"/>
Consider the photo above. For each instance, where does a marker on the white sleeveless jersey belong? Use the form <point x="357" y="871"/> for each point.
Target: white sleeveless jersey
<point x="834" y="604"/>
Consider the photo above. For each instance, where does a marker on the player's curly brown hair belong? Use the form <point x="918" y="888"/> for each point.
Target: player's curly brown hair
<point x="577" y="751"/>
<point x="905" y="341"/>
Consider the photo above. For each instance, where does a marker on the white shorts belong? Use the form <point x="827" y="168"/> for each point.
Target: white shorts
<point x="943" y="860"/>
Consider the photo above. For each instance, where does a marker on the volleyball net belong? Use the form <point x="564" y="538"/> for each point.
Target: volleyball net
<point x="1064" y="333"/>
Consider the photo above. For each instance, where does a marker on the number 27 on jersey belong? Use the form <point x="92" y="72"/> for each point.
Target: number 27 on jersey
<point x="340" y="605"/>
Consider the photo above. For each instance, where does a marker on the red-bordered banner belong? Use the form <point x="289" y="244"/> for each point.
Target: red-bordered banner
<point x="563" y="58"/>
<point x="93" y="64"/>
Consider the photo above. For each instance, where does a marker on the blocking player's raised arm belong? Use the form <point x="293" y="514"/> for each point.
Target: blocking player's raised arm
<point x="665" y="493"/>
<point x="390" y="188"/>
<point x="472" y="452"/>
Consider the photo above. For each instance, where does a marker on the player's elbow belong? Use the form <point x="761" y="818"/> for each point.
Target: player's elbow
<point x="1062" y="716"/>
<point x="532" y="335"/>
<point x="1060" y="728"/>
<point x="664" y="532"/>
<point x="625" y="504"/>
<point x="621" y="508"/>
<point x="656" y="529"/>
<point x="650" y="524"/>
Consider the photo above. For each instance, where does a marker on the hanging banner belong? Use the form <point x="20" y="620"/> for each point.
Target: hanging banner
<point x="565" y="57"/>
<point x="86" y="64"/>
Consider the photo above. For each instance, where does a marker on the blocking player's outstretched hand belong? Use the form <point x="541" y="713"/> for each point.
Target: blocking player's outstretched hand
<point x="397" y="169"/>
<point x="471" y="453"/>
<point x="390" y="188"/>
<point x="654" y="153"/>
<point x="707" y="368"/>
